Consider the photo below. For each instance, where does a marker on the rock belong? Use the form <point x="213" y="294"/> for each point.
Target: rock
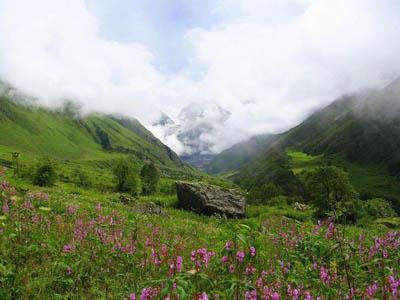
<point x="127" y="200"/>
<point x="149" y="208"/>
<point x="208" y="199"/>
<point x="300" y="206"/>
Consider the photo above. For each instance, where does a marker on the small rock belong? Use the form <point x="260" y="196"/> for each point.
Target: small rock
<point x="149" y="208"/>
<point x="127" y="200"/>
<point x="300" y="206"/>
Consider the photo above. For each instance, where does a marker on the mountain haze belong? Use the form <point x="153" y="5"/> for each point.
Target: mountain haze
<point x="66" y="135"/>
<point x="359" y="133"/>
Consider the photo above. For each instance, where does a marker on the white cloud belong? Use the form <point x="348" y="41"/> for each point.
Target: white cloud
<point x="270" y="62"/>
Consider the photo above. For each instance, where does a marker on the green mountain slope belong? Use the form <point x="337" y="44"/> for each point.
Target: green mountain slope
<point x="239" y="154"/>
<point x="38" y="132"/>
<point x="360" y="133"/>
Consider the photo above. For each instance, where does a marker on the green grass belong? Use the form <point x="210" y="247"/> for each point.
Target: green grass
<point x="74" y="142"/>
<point x="34" y="264"/>
<point x="302" y="162"/>
<point x="370" y="180"/>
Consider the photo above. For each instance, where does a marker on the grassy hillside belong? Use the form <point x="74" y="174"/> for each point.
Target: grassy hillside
<point x="69" y="138"/>
<point x="359" y="133"/>
<point x="239" y="154"/>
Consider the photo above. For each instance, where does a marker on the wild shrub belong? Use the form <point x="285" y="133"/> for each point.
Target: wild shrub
<point x="127" y="178"/>
<point x="82" y="179"/>
<point x="327" y="187"/>
<point x="150" y="177"/>
<point x="45" y="173"/>
<point x="379" y="208"/>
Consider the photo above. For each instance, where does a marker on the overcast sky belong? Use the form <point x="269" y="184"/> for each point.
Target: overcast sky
<point x="268" y="62"/>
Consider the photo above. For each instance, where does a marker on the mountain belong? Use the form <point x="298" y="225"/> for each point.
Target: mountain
<point x="239" y="154"/>
<point x="65" y="135"/>
<point x="190" y="128"/>
<point x="359" y="133"/>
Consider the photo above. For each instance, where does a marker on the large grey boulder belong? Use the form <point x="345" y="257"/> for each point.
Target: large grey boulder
<point x="208" y="199"/>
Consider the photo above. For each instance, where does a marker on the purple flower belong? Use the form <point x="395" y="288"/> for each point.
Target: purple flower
<point x="275" y="296"/>
<point x="68" y="248"/>
<point x="231" y="268"/>
<point x="228" y="245"/>
<point x="331" y="230"/>
<point x="224" y="259"/>
<point x="5" y="208"/>
<point x="252" y="251"/>
<point x="132" y="296"/>
<point x="251" y="295"/>
<point x="324" y="275"/>
<point x="203" y="296"/>
<point x="240" y="256"/>
<point x="179" y="264"/>
<point x="372" y="289"/>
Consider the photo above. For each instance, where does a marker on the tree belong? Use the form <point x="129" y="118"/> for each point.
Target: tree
<point x="264" y="193"/>
<point x="150" y="179"/>
<point x="45" y="174"/>
<point x="379" y="208"/>
<point x="327" y="187"/>
<point x="126" y="177"/>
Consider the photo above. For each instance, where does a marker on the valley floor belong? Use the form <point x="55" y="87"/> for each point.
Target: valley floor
<point x="70" y="243"/>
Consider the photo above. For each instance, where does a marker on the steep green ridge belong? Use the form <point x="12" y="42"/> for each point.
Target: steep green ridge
<point x="37" y="132"/>
<point x="360" y="133"/>
<point x="239" y="154"/>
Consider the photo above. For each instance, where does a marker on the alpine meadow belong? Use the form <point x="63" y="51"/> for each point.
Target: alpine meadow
<point x="205" y="150"/>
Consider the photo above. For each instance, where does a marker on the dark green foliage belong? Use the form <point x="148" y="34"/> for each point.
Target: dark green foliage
<point x="150" y="179"/>
<point x="82" y="179"/>
<point x="126" y="176"/>
<point x="328" y="186"/>
<point x="263" y="193"/>
<point x="379" y="208"/>
<point x="239" y="154"/>
<point x="104" y="139"/>
<point x="45" y="173"/>
<point x="168" y="188"/>
<point x="273" y="169"/>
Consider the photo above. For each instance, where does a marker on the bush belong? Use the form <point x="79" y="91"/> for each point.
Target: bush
<point x="379" y="208"/>
<point x="45" y="174"/>
<point x="168" y="188"/>
<point x="150" y="179"/>
<point x="278" y="201"/>
<point x="327" y="187"/>
<point x="127" y="178"/>
<point x="263" y="193"/>
<point x="82" y="179"/>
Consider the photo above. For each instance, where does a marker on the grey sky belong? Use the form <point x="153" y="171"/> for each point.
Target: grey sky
<point x="268" y="62"/>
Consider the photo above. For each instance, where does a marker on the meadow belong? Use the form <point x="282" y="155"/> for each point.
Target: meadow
<point x="66" y="242"/>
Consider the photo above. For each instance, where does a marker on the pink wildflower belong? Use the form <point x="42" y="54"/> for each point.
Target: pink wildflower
<point x="251" y="295"/>
<point x="203" y="296"/>
<point x="252" y="251"/>
<point x="179" y="264"/>
<point x="231" y="268"/>
<point x="275" y="296"/>
<point x="240" y="256"/>
<point x="68" y="248"/>
<point x="5" y="208"/>
<point x="228" y="245"/>
<point x="224" y="259"/>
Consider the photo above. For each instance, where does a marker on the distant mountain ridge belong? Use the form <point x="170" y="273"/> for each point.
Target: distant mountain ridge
<point x="66" y="135"/>
<point x="357" y="132"/>
<point x="239" y="154"/>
